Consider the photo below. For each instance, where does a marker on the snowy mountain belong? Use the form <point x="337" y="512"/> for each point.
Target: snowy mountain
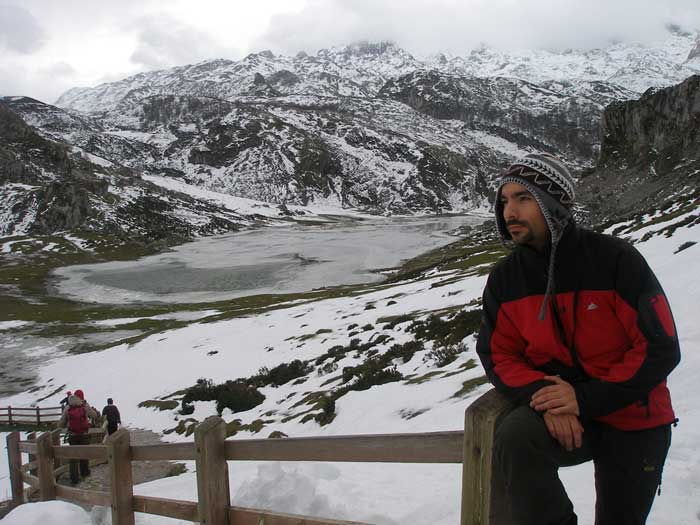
<point x="361" y="69"/>
<point x="365" y="127"/>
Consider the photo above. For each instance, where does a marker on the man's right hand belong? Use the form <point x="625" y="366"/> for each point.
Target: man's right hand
<point x="565" y="428"/>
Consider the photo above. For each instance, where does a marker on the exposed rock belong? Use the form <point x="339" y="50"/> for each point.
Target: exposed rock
<point x="650" y="150"/>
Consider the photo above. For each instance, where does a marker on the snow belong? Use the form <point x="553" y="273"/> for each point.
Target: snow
<point x="48" y="512"/>
<point x="9" y="325"/>
<point x="384" y="494"/>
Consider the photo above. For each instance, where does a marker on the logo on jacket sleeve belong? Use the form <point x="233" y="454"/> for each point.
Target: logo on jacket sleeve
<point x="592" y="306"/>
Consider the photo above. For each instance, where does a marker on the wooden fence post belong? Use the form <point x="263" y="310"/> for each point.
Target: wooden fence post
<point x="119" y="458"/>
<point x="212" y="472"/>
<point x="484" y="500"/>
<point x="38" y="416"/>
<point x="56" y="441"/>
<point x="32" y="437"/>
<point x="47" y="480"/>
<point x="9" y="415"/>
<point x="14" y="457"/>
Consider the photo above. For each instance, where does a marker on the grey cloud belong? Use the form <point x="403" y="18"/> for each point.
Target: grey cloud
<point x="19" y="30"/>
<point x="457" y="26"/>
<point x="165" y="42"/>
<point x="44" y="85"/>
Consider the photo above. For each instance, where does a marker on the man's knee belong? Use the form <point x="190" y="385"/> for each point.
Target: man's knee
<point x="522" y="428"/>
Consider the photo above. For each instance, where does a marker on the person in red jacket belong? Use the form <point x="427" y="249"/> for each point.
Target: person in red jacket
<point x="76" y="418"/>
<point x="578" y="333"/>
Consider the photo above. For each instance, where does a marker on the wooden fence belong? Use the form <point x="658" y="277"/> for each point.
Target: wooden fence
<point x="33" y="416"/>
<point x="483" y="501"/>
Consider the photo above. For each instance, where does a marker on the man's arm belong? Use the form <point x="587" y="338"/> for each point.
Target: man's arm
<point x="642" y="308"/>
<point x="63" y="422"/>
<point x="501" y="350"/>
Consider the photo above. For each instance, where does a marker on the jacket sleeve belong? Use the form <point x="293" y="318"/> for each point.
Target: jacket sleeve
<point x="501" y="349"/>
<point x="642" y="308"/>
<point x="63" y="422"/>
<point x="93" y="414"/>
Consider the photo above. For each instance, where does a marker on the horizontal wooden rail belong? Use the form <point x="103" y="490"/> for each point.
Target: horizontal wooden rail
<point x="241" y="516"/>
<point x="28" y="409"/>
<point x="98" y="452"/>
<point x="165" y="451"/>
<point x="28" y="447"/>
<point x="170" y="508"/>
<point x="87" y="497"/>
<point x="432" y="447"/>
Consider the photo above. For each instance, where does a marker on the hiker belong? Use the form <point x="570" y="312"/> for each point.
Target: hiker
<point x="578" y="333"/>
<point x="112" y="418"/>
<point x="76" y="418"/>
<point x="64" y="401"/>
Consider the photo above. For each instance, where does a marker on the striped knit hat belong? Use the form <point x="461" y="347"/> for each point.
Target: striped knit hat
<point x="551" y="184"/>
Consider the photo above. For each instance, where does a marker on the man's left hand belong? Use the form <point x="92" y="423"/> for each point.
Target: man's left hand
<point x="559" y="398"/>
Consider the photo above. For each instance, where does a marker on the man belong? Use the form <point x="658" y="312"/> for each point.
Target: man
<point x="64" y="401"/>
<point x="577" y="331"/>
<point x="76" y="418"/>
<point x="113" y="419"/>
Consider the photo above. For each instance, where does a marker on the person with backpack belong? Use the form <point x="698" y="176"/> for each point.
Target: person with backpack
<point x="113" y="419"/>
<point x="76" y="418"/>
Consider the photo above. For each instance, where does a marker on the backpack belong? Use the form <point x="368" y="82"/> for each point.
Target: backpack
<point x="77" y="420"/>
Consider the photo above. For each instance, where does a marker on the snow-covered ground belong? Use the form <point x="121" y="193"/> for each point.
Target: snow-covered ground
<point x="376" y="493"/>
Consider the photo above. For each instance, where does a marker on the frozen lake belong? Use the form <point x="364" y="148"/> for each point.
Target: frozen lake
<point x="272" y="260"/>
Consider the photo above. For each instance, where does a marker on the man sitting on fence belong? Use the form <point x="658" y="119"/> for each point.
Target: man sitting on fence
<point x="577" y="331"/>
<point x="76" y="418"/>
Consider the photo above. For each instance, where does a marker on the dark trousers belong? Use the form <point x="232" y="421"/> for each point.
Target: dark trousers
<point x="112" y="428"/>
<point x="628" y="467"/>
<point x="78" y="439"/>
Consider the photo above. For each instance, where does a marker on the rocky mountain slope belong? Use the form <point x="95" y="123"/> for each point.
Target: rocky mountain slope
<point x="46" y="186"/>
<point x="650" y="152"/>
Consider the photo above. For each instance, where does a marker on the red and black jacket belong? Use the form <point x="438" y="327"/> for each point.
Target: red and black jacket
<point x="608" y="330"/>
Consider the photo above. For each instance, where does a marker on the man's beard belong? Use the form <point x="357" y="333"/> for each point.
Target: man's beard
<point x="527" y="237"/>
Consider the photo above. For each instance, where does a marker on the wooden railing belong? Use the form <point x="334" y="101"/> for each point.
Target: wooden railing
<point x="483" y="500"/>
<point x="32" y="416"/>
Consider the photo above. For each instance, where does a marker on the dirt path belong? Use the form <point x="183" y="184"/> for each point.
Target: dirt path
<point x="142" y="471"/>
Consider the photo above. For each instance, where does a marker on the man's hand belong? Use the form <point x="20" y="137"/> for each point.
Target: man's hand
<point x="565" y="428"/>
<point x="556" y="399"/>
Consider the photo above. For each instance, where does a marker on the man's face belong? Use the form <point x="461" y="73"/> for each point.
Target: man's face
<point x="523" y="216"/>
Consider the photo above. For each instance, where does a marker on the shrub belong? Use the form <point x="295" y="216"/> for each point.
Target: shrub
<point x="327" y="414"/>
<point x="280" y="374"/>
<point x="405" y="351"/>
<point x="238" y="396"/>
<point x="444" y="355"/>
<point x="372" y="372"/>
<point x="328" y="368"/>
<point x="448" y="332"/>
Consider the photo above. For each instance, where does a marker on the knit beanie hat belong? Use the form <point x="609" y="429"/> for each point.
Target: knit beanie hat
<point x="552" y="186"/>
<point x="79" y="393"/>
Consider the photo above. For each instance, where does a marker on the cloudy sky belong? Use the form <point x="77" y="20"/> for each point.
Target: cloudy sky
<point x="48" y="46"/>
